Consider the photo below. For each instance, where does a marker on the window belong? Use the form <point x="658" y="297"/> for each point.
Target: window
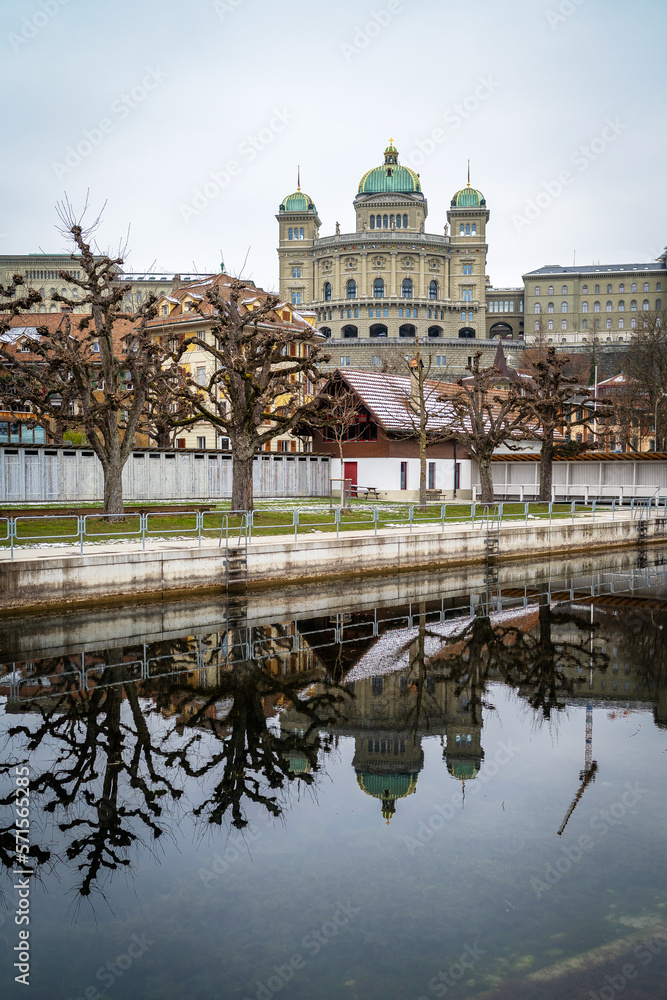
<point x="646" y="286"/>
<point x="392" y="221"/>
<point x="372" y="222"/>
<point x="550" y="290"/>
<point x="474" y="229"/>
<point x="621" y="287"/>
<point x="404" y="475"/>
<point x="550" y="325"/>
<point x="621" y="305"/>
<point x="609" y="324"/>
<point x="467" y="229"/>
<point x="351" y="289"/>
<point x="584" y="290"/>
<point x="431" y="475"/>
<point x="406" y="288"/>
<point x="378" y="288"/>
<point x="325" y="331"/>
<point x="620" y="324"/>
<point x="633" y="286"/>
<point x="290" y="234"/>
<point x="658" y="304"/>
<point x="537" y="326"/>
<point x="597" y="289"/>
<point x="609" y="289"/>
<point x="633" y="305"/>
<point x="296" y="272"/>
<point x="327" y="291"/>
<point x="584" y="307"/>
<point x="405" y="220"/>
<point x="201" y="442"/>
<point x="201" y="375"/>
<point x="350" y="331"/>
<point x="301" y="236"/>
<point x="609" y="307"/>
<point x="563" y="324"/>
<point x="462" y="230"/>
<point x="596" y="307"/>
<point x="645" y="305"/>
<point x="538" y="308"/>
<point x="398" y="221"/>
<point x="467" y="268"/>
<point x="584" y="324"/>
<point x="296" y="298"/>
<point x="433" y="290"/>
<point x="345" y="362"/>
<point x="550" y="307"/>
<point x="658" y="286"/>
<point x="385" y="222"/>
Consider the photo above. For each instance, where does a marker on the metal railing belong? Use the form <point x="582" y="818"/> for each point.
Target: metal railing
<point x="238" y="528"/>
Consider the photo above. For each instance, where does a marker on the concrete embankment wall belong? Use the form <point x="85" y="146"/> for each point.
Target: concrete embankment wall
<point x="118" y="574"/>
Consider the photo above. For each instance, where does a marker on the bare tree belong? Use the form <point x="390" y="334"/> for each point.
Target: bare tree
<point x="256" y="389"/>
<point x="484" y="417"/>
<point x="167" y="409"/>
<point x="338" y="413"/>
<point x="647" y="363"/>
<point x="98" y="371"/>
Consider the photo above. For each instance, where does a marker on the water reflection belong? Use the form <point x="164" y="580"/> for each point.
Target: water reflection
<point x="123" y="742"/>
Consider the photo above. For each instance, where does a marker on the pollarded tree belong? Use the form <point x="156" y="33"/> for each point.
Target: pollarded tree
<point x="99" y="368"/>
<point x="260" y="364"/>
<point x="484" y="417"/>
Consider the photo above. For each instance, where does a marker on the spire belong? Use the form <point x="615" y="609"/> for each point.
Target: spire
<point x="298" y="178"/>
<point x="468" y="173"/>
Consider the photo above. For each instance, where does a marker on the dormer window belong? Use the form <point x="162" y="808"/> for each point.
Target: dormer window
<point x="164" y="310"/>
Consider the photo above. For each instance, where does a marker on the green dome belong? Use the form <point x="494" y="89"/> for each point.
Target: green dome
<point x="298" y="764"/>
<point x="391" y="177"/>
<point x="387" y="788"/>
<point x="297" y="202"/>
<point x="468" y="197"/>
<point x="463" y="770"/>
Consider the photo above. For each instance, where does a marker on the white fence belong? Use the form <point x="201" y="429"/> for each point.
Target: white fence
<point x="597" y="478"/>
<point x="56" y="474"/>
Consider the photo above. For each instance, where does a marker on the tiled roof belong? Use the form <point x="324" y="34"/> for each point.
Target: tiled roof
<point x="387" y="397"/>
<point x="596" y="268"/>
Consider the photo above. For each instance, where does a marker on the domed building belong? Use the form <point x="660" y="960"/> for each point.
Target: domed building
<point x="376" y="290"/>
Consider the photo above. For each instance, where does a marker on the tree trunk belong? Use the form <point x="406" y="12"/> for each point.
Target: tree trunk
<point x="113" y="489"/>
<point x="546" y="467"/>
<point x="422" y="470"/>
<point x="242" y="487"/>
<point x="485" y="478"/>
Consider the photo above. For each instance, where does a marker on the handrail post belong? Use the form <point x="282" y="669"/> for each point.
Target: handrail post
<point x="412" y="513"/>
<point x="526" y="512"/>
<point x="375" y="520"/>
<point x="337" y="521"/>
<point x="81" y="529"/>
<point x="443" y="513"/>
<point x="572" y="506"/>
<point x="613" y="508"/>
<point x="200" y="518"/>
<point x="295" y="522"/>
<point x="143" y="527"/>
<point x="551" y="507"/>
<point x="12" y="534"/>
<point x="472" y="511"/>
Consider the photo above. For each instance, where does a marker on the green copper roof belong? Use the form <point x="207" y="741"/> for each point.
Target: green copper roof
<point x="391" y="177"/>
<point x="297" y="202"/>
<point x="468" y="197"/>
<point x="464" y="770"/>
<point x="387" y="786"/>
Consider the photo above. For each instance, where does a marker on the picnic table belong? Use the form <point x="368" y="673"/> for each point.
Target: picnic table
<point x="366" y="492"/>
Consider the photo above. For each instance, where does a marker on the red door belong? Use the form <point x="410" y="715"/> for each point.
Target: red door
<point x="350" y="472"/>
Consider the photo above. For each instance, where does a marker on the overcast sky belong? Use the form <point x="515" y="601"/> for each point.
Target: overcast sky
<point x="558" y="104"/>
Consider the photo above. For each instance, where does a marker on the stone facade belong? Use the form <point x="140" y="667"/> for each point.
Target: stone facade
<point x="376" y="290"/>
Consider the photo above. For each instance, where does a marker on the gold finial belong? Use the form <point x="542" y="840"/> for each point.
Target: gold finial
<point x="468" y="173"/>
<point x="298" y="178"/>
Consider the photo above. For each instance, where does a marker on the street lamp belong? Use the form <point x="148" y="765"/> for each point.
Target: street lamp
<point x="655" y="421"/>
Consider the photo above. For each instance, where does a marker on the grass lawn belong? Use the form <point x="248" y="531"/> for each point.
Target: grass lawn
<point x="270" y="517"/>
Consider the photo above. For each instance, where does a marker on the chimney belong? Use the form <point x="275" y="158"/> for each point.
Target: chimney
<point x="176" y="282"/>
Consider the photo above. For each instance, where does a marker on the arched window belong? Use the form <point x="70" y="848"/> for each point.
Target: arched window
<point x="467" y="229"/>
<point x="645" y="305"/>
<point x="563" y="290"/>
<point x="563" y="307"/>
<point x="646" y="286"/>
<point x="434" y="331"/>
<point x="621" y="305"/>
<point x="633" y="287"/>
<point x="433" y="290"/>
<point x="597" y="289"/>
<point x="325" y="331"/>
<point x="327" y="291"/>
<point x="301" y="236"/>
<point x="474" y="229"/>
<point x="385" y="222"/>
<point x="290" y="233"/>
<point x="633" y="323"/>
<point x="378" y="330"/>
<point x="584" y="324"/>
<point x="620" y="324"/>
<point x="633" y="305"/>
<point x="584" y="307"/>
<point x="609" y="324"/>
<point x="466" y="333"/>
<point x="550" y="290"/>
<point x="537" y="290"/>
<point x="538" y="307"/>
<point x="378" y="288"/>
<point x="550" y="325"/>
<point x="596" y="307"/>
<point x="399" y="221"/>
<point x="563" y="324"/>
<point x="609" y="306"/>
<point x="406" y="330"/>
<point x="584" y="290"/>
<point x="405" y="220"/>
<point x="550" y="307"/>
<point x="406" y="288"/>
<point x="350" y="331"/>
<point x="658" y="304"/>
<point x="391" y="221"/>
<point x="621" y="287"/>
<point x="462" y="230"/>
<point x="351" y="289"/>
<point x="609" y="289"/>
<point x="372" y="222"/>
<point x="537" y="325"/>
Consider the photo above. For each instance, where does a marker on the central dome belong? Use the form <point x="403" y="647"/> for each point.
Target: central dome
<point x="391" y="177"/>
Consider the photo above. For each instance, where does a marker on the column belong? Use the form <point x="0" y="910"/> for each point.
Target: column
<point x="392" y="280"/>
<point x="363" y="281"/>
<point x="422" y="276"/>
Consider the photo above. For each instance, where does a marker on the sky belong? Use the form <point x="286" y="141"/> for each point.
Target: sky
<point x="186" y="122"/>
